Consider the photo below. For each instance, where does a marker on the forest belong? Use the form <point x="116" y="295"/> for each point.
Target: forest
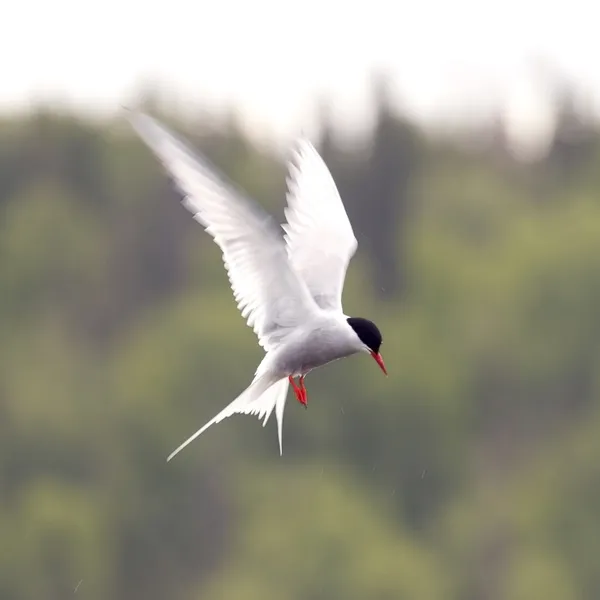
<point x="471" y="473"/>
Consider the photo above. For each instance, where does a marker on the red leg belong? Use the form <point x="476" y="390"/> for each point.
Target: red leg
<point x="303" y="392"/>
<point x="296" y="389"/>
<point x="299" y="391"/>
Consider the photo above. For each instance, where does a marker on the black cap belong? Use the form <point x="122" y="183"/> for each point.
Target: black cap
<point x="367" y="332"/>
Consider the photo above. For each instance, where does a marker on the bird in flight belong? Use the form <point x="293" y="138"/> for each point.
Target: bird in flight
<point x="288" y="287"/>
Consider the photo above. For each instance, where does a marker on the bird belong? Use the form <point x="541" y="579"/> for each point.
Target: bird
<point x="287" y="279"/>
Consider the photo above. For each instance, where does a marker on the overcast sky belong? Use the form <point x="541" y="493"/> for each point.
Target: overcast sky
<point x="272" y="59"/>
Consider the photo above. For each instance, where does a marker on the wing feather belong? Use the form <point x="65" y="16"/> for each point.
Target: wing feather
<point x="319" y="236"/>
<point x="269" y="293"/>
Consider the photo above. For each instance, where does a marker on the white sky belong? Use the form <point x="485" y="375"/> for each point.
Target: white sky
<point x="272" y="59"/>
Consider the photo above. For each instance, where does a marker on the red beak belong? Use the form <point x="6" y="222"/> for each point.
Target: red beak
<point x="378" y="358"/>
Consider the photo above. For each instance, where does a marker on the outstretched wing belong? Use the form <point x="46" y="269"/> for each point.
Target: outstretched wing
<point x="268" y="291"/>
<point x="319" y="236"/>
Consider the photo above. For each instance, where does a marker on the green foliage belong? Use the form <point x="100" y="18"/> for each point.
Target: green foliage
<point x="470" y="473"/>
<point x="319" y="536"/>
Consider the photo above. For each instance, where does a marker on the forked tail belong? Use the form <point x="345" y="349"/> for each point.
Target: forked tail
<point x="260" y="398"/>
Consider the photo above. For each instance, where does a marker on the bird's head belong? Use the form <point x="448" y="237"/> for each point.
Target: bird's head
<point x="370" y="337"/>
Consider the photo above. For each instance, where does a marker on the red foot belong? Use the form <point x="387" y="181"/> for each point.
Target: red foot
<point x="300" y="391"/>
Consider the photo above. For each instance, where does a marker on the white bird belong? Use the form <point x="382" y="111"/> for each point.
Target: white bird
<point x="288" y="287"/>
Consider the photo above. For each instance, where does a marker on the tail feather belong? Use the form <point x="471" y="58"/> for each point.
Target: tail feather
<point x="260" y="398"/>
<point x="279" y="407"/>
<point x="275" y="398"/>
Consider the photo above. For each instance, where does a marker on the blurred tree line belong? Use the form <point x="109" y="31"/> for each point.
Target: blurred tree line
<point x="471" y="473"/>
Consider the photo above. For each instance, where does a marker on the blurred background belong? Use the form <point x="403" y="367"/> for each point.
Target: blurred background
<point x="465" y="141"/>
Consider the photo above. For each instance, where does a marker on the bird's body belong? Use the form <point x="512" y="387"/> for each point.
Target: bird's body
<point x="289" y="288"/>
<point x="326" y="339"/>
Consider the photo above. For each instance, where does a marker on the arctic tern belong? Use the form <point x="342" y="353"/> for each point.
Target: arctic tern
<point x="288" y="287"/>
